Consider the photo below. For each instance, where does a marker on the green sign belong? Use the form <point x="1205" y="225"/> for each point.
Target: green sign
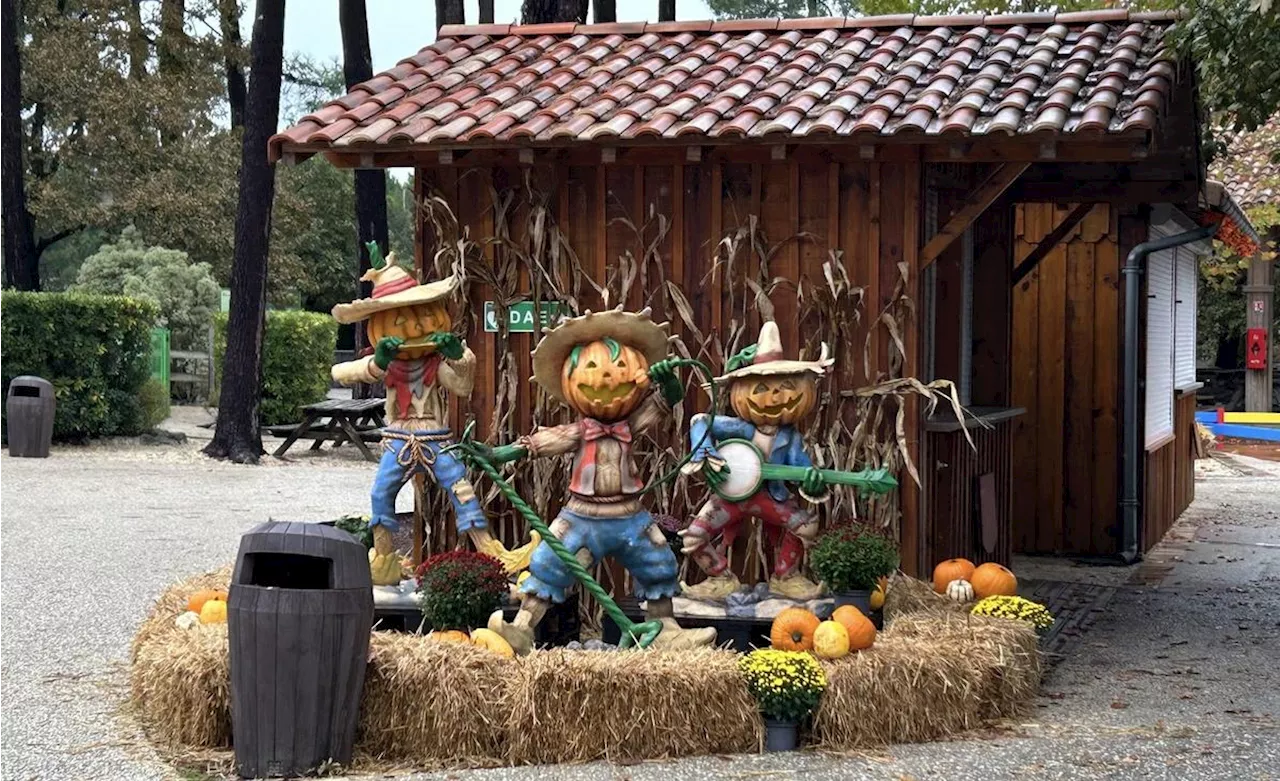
<point x="225" y="300"/>
<point x="520" y="316"/>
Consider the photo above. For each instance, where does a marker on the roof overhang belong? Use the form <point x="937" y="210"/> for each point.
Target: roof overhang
<point x="1237" y="231"/>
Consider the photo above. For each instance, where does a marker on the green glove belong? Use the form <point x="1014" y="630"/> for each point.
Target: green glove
<point x="714" y="477"/>
<point x="813" y="484"/>
<point x="447" y="344"/>
<point x="385" y="352"/>
<point x="496" y="455"/>
<point x="664" y="374"/>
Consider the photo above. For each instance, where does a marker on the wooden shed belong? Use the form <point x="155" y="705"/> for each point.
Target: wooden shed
<point x="939" y="197"/>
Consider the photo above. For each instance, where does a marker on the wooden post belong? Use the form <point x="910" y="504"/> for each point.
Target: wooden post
<point x="1259" y="293"/>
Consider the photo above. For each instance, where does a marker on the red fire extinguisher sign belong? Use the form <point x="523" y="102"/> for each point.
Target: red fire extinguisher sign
<point x="1255" y="348"/>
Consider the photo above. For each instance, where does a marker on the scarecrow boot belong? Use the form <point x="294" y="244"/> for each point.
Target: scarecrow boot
<point x="720" y="582"/>
<point x="674" y="637"/>
<point x="519" y="633"/>
<point x="384" y="562"/>
<point x="787" y="578"/>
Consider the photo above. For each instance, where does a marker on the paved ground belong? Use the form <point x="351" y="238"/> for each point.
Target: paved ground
<point x="1179" y="679"/>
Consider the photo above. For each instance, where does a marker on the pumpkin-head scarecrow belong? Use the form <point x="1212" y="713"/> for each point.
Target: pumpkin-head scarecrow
<point x="610" y="368"/>
<point x="769" y="395"/>
<point x="418" y="358"/>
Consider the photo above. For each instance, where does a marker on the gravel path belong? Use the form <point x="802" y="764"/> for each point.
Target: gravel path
<point x="1179" y="680"/>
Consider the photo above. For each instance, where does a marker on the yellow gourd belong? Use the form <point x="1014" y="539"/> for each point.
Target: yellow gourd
<point x="213" y="611"/>
<point x="492" y="641"/>
<point x="831" y="640"/>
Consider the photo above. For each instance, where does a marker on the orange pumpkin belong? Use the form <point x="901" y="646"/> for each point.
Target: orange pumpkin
<point x="862" y="633"/>
<point x="991" y="580"/>
<point x="605" y="379"/>
<point x="413" y="324"/>
<point x="793" y="629"/>
<point x="195" y="602"/>
<point x="451" y="636"/>
<point x="949" y="570"/>
<point x="773" y="401"/>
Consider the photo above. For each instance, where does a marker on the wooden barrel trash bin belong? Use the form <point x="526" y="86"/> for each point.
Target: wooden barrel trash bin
<point x="29" y="414"/>
<point x="299" y="615"/>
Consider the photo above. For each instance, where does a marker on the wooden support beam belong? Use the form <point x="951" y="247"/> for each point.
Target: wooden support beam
<point x="1051" y="240"/>
<point x="978" y="201"/>
<point x="1107" y="191"/>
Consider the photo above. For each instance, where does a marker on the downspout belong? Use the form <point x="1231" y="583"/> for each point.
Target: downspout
<point x="1132" y="271"/>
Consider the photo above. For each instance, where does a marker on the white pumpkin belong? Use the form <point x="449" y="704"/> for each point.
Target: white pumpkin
<point x="188" y="620"/>
<point x="960" y="591"/>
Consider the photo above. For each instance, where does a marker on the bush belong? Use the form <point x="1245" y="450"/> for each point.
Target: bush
<point x="94" y="349"/>
<point x="154" y="399"/>
<point x="460" y="589"/>
<point x="185" y="292"/>
<point x="297" y="351"/>
<point x="848" y="558"/>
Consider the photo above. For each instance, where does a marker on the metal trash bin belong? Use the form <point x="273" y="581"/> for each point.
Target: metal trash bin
<point x="299" y="615"/>
<point x="29" y="411"/>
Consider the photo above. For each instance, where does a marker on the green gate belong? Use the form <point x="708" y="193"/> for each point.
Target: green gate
<point x="160" y="356"/>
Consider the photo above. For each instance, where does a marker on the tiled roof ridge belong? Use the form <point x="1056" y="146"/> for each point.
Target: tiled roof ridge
<point x="1111" y="16"/>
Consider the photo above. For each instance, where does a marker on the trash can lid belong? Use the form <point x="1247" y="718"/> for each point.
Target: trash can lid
<point x="349" y="559"/>
<point x="31" y="381"/>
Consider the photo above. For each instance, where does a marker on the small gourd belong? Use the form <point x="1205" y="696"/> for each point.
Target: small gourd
<point x="195" y="603"/>
<point x="793" y="629"/>
<point x="492" y="641"/>
<point x="877" y="596"/>
<point x="213" y="611"/>
<point x="831" y="640"/>
<point x="862" y="633"/>
<point x="960" y="591"/>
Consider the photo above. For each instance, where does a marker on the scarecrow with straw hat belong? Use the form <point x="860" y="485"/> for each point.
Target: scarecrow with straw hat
<point x="418" y="358"/>
<point x="769" y="395"/>
<point x="603" y="366"/>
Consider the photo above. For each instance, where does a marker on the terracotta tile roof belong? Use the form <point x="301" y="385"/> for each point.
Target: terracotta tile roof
<point x="1250" y="167"/>
<point x="1100" y="72"/>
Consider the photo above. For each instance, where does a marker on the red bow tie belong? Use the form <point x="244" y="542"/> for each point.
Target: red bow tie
<point x="593" y="429"/>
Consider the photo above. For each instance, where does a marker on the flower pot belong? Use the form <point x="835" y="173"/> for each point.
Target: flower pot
<point x="780" y="735"/>
<point x="860" y="599"/>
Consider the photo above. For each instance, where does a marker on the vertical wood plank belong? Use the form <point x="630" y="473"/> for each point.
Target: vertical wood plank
<point x="1108" y="337"/>
<point x="1051" y="390"/>
<point x="715" y="231"/>
<point x="1078" y="429"/>
<point x="676" y="246"/>
<point x="1025" y="390"/>
<point x="911" y="235"/>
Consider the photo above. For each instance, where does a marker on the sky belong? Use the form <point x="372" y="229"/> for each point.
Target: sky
<point x="399" y="28"/>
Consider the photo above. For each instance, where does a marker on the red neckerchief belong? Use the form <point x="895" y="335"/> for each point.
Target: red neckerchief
<point x="399" y="378"/>
<point x="584" y="468"/>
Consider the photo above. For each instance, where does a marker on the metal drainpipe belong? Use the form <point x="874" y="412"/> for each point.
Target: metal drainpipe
<point x="1132" y="271"/>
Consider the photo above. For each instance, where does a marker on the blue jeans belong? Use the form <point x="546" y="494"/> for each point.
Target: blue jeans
<point x="652" y="565"/>
<point x="407" y="453"/>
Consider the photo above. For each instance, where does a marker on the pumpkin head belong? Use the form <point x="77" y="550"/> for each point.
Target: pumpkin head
<point x="773" y="400"/>
<point x="862" y="633"/>
<point x="991" y="580"/>
<point x="793" y="630"/>
<point x="413" y="324"/>
<point x="604" y="379"/>
<point x="831" y="640"/>
<point x="949" y="570"/>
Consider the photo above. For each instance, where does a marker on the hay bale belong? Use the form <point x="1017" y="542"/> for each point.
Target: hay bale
<point x="571" y="706"/>
<point x="180" y="680"/>
<point x="434" y="703"/>
<point x="907" y="595"/>
<point x="931" y="674"/>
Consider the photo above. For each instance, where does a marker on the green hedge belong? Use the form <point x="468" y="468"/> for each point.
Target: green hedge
<point x="94" y="349"/>
<point x="297" y="352"/>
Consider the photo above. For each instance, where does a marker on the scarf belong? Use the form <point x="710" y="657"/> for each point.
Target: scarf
<point x="410" y="379"/>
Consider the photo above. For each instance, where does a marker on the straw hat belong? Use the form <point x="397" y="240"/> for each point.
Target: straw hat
<point x="392" y="287"/>
<point x="768" y="360"/>
<point x="634" y="329"/>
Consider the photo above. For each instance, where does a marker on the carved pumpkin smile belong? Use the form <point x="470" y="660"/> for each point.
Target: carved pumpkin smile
<point x="621" y="390"/>
<point x="414" y="324"/>
<point x="774" y="409"/>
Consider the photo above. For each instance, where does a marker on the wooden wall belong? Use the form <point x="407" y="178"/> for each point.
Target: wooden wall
<point x="1170" y="473"/>
<point x="955" y="495"/>
<point x="669" y="217"/>
<point x="1067" y="341"/>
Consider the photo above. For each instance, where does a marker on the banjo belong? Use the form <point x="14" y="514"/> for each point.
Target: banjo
<point x="749" y="470"/>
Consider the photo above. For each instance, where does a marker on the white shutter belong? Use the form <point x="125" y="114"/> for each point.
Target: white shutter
<point x="1186" y="275"/>
<point x="1159" y="385"/>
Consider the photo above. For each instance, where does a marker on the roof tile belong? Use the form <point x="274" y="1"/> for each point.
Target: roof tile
<point x="1099" y="71"/>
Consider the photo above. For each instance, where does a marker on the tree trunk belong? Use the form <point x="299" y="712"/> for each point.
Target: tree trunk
<point x="812" y="8"/>
<point x="547" y="11"/>
<point x="173" y="38"/>
<point x="370" y="185"/>
<point x="139" y="51"/>
<point x="605" y="11"/>
<point x="486" y="12"/>
<point x="21" y="262"/>
<point x="452" y="12"/>
<point x="233" y="50"/>
<point x="667" y="10"/>
<point x="237" y="435"/>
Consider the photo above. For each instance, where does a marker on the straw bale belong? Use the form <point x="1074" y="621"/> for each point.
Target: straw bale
<point x="431" y="702"/>
<point x="572" y="706"/>
<point x="906" y="595"/>
<point x="931" y="674"/>
<point x="180" y="681"/>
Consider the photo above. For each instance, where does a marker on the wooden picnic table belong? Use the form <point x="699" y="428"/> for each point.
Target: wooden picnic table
<point x="337" y="420"/>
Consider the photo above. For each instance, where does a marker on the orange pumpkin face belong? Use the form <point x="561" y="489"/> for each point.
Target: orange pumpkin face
<point x="413" y="324"/>
<point x="773" y="401"/>
<point x="604" y="380"/>
<point x="991" y="580"/>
